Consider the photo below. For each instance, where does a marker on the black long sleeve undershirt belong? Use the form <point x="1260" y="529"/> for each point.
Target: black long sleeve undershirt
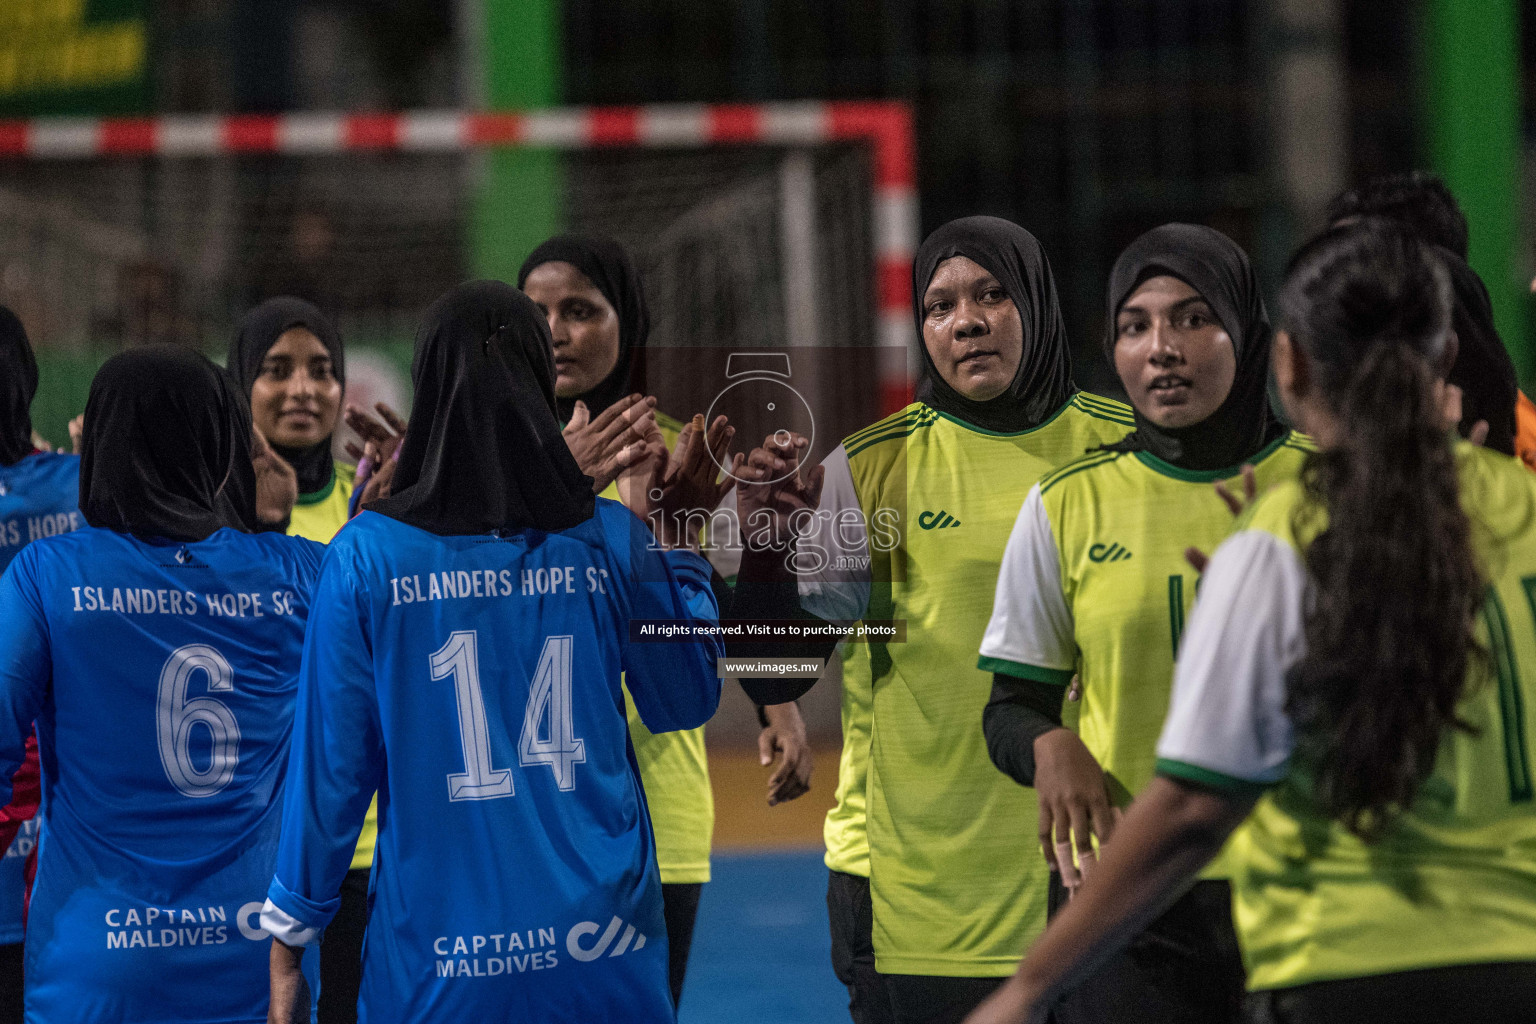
<point x="1019" y="712"/>
<point x="767" y="589"/>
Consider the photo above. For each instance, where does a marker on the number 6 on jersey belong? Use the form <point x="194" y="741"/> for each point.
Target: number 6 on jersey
<point x="549" y="699"/>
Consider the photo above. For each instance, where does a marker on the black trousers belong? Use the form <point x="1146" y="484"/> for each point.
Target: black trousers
<point x="341" y="952"/>
<point x="852" y="922"/>
<point x="928" y="999"/>
<point x="1485" y="993"/>
<point x="1185" y="968"/>
<point x="875" y="998"/>
<point x="10" y="983"/>
<point x="680" y="907"/>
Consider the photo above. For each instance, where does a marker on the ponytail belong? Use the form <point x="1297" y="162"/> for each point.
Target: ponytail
<point x="1395" y="583"/>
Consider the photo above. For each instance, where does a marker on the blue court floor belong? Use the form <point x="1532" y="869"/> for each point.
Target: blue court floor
<point x="760" y="949"/>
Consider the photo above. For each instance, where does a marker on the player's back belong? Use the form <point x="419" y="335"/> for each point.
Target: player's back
<point x="39" y="497"/>
<point x="1453" y="879"/>
<point x="479" y="682"/>
<point x="162" y="676"/>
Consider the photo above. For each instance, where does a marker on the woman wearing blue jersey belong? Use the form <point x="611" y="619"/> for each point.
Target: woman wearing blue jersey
<point x="1351" y="686"/>
<point x="465" y="662"/>
<point x="38" y="498"/>
<point x="591" y="292"/>
<point x="157" y="651"/>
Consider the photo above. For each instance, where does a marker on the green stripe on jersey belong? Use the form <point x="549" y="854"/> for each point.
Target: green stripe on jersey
<point x="1104" y="408"/>
<point x="1019" y="670"/>
<point x="891" y="435"/>
<point x="1088" y="462"/>
<point x="1207" y="779"/>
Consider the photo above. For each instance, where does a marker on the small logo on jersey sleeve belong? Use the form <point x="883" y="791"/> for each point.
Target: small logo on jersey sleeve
<point x="1108" y="553"/>
<point x="939" y="520"/>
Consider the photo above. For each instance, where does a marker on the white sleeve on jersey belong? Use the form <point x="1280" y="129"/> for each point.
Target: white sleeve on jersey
<point x="722" y="545"/>
<point x="832" y="554"/>
<point x="1227" y="715"/>
<point x="1031" y="624"/>
<point x="285" y="929"/>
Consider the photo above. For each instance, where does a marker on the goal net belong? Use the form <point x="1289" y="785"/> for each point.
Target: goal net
<point x="755" y="227"/>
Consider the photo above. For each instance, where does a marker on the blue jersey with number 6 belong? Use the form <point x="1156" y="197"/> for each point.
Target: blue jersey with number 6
<point x="39" y="497"/>
<point x="474" y="681"/>
<point x="162" y="680"/>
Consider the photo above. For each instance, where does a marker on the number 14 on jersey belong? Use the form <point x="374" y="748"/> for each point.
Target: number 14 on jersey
<point x="548" y="734"/>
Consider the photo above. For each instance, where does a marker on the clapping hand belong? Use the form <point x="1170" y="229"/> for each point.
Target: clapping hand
<point x="386" y="437"/>
<point x="604" y="446"/>
<point x="775" y="492"/>
<point x="277" y="486"/>
<point x="689" y="484"/>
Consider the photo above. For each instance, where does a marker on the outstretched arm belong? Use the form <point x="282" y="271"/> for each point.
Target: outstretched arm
<point x="1172" y="831"/>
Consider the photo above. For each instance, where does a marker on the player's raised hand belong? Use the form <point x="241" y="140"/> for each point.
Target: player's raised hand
<point x="387" y="431"/>
<point x="380" y="481"/>
<point x="685" y="488"/>
<point x="277" y="486"/>
<point x="774" y="491"/>
<point x="598" y="445"/>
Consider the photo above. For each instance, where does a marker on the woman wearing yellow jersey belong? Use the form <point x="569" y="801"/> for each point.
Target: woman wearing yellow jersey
<point x="591" y="293"/>
<point x="906" y="520"/>
<point x="1094" y="584"/>
<point x="287" y="357"/>
<point x="1355" y="675"/>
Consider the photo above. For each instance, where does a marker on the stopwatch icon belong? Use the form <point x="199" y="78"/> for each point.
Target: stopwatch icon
<point x="759" y="398"/>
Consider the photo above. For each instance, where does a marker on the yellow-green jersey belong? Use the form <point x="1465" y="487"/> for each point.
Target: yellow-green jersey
<point x="674" y="771"/>
<point x="1094" y="583"/>
<point x="1453" y="880"/>
<point x="317" y="516"/>
<point x="843" y="832"/>
<point x="914" y="515"/>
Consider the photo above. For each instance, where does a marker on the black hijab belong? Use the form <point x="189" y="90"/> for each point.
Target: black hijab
<point x="258" y="332"/>
<point x="1216" y="267"/>
<point x="237" y="498"/>
<point x="1043" y="381"/>
<point x="483" y="449"/>
<point x="608" y="266"/>
<point x="160" y="430"/>
<point x="1483" y="369"/>
<point x="18" y="385"/>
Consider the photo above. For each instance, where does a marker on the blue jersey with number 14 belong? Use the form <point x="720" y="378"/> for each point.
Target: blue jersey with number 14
<point x="162" y="680"/>
<point x="474" y="681"/>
